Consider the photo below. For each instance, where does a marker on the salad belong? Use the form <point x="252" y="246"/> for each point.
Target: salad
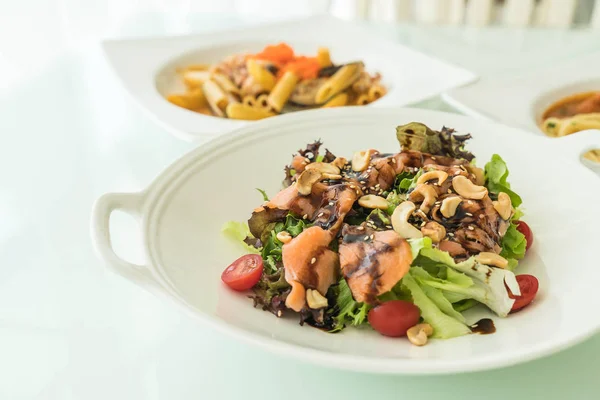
<point x="403" y="242"/>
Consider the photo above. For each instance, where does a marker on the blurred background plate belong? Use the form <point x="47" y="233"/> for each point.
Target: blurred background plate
<point x="147" y="67"/>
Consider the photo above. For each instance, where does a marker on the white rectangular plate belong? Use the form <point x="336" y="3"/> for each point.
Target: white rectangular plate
<point x="520" y="100"/>
<point x="147" y="67"/>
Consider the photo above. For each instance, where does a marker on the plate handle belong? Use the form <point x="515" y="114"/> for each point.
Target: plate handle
<point x="578" y="143"/>
<point x="103" y="208"/>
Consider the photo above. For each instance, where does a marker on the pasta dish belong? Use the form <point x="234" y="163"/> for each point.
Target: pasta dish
<point x="573" y="114"/>
<point x="274" y="81"/>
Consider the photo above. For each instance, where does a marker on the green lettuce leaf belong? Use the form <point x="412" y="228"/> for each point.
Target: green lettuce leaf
<point x="444" y="326"/>
<point x="436" y="295"/>
<point x="496" y="174"/>
<point x="238" y="231"/>
<point x="513" y="243"/>
<point x="264" y="194"/>
<point x="346" y="310"/>
<point x="488" y="283"/>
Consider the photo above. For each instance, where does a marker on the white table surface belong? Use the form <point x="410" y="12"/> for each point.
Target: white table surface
<point x="69" y="329"/>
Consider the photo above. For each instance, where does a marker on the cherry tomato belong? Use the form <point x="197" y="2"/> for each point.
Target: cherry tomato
<point x="529" y="285"/>
<point x="394" y="318"/>
<point x="526" y="231"/>
<point x="244" y="272"/>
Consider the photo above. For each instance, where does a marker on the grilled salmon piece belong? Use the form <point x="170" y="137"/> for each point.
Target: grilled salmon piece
<point x="309" y="264"/>
<point x="372" y="262"/>
<point x="336" y="202"/>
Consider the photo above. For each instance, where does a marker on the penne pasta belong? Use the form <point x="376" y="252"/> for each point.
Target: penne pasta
<point x="375" y="92"/>
<point x="551" y="126"/>
<point x="362" y="100"/>
<point x="216" y="97"/>
<point x="343" y="78"/>
<point x="225" y="83"/>
<point x="593" y="155"/>
<point x="576" y="124"/>
<point x="323" y="57"/>
<point x="337" y="101"/>
<point x="242" y="111"/>
<point x="262" y="101"/>
<point x="282" y="91"/>
<point x="276" y="80"/>
<point x="194" y="79"/>
<point x="250" y="101"/>
<point x="260" y="74"/>
<point x="193" y="100"/>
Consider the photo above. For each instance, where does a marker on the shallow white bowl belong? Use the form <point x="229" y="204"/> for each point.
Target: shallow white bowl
<point x="520" y="100"/>
<point x="182" y="212"/>
<point x="147" y="67"/>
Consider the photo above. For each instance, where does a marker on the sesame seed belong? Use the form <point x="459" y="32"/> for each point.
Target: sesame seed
<point x="313" y="260"/>
<point x="378" y="186"/>
<point x="423" y="223"/>
<point x="437" y="203"/>
<point x="394" y="160"/>
<point x="360" y="228"/>
<point x="450" y="234"/>
<point x="362" y="182"/>
<point x="352" y="187"/>
<point x="279" y="313"/>
<point x="366" y="238"/>
<point x="388" y="226"/>
<point x="320" y="215"/>
<point x="307" y="160"/>
<point x="331" y="203"/>
<point x="469" y="214"/>
<point x="305" y="216"/>
<point x="481" y="216"/>
<point x="449" y="191"/>
<point x="433" y="158"/>
<point x="471" y="228"/>
<point x="457" y="172"/>
<point x="372" y="236"/>
<point x="372" y="187"/>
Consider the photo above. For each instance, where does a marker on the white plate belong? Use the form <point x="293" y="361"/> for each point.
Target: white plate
<point x="147" y="67"/>
<point x="182" y="212"/>
<point x="520" y="100"/>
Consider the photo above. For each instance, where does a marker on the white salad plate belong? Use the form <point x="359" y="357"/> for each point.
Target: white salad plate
<point x="182" y="212"/>
<point x="147" y="67"/>
<point x="520" y="100"/>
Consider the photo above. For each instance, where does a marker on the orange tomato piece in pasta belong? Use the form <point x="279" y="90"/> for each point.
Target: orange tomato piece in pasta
<point x="279" y="54"/>
<point x="303" y="67"/>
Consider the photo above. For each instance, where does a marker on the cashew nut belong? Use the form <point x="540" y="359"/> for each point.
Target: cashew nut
<point x="361" y="160"/>
<point x="284" y="237"/>
<point x="479" y="175"/>
<point x="372" y="201"/>
<point x="419" y="333"/>
<point x="400" y="221"/>
<point x="492" y="259"/>
<point x="437" y="174"/>
<point x="306" y="180"/>
<point x="434" y="231"/>
<point x="425" y="193"/>
<point x="315" y="299"/>
<point x="449" y="206"/>
<point x="339" y="162"/>
<point x="324" y="168"/>
<point x="463" y="186"/>
<point x="503" y="205"/>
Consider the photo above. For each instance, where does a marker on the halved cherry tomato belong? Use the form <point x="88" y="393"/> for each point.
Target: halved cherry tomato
<point x="244" y="272"/>
<point x="529" y="285"/>
<point x="394" y="318"/>
<point x="525" y="230"/>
